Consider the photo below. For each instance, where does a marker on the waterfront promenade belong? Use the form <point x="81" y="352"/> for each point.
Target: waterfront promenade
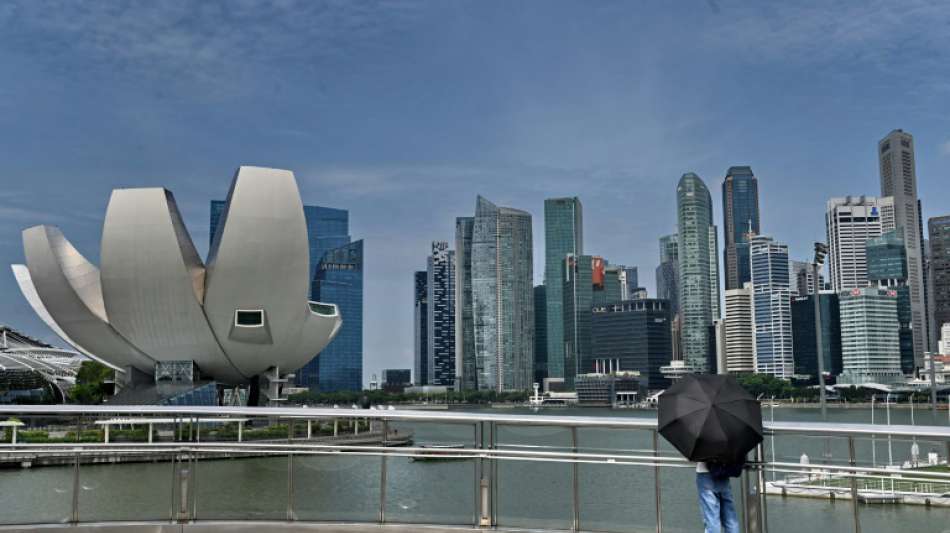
<point x="600" y="471"/>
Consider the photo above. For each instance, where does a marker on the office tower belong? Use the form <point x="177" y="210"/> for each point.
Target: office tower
<point x="440" y="284"/>
<point x="804" y="340"/>
<point x="772" y="307"/>
<point x="563" y="236"/>
<point x="608" y="283"/>
<point x="870" y="346"/>
<point x="540" y="334"/>
<point x="633" y="335"/>
<point x="502" y="297"/>
<point x="714" y="271"/>
<point x="944" y="344"/>
<point x="578" y="294"/>
<point x="719" y="337"/>
<point x="939" y="275"/>
<point x="887" y="269"/>
<point x="420" y="331"/>
<point x="850" y="222"/>
<point x="327" y="229"/>
<point x="740" y="331"/>
<point x="667" y="274"/>
<point x="395" y="380"/>
<point x="740" y="212"/>
<point x="339" y="279"/>
<point x="631" y="282"/>
<point x="696" y="286"/>
<point x="802" y="279"/>
<point x="899" y="181"/>
<point x="464" y="321"/>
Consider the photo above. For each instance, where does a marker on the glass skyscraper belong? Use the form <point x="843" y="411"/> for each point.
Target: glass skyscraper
<point x="540" y="334"/>
<point x="887" y="268"/>
<point x="464" y="320"/>
<point x="339" y="280"/>
<point x="740" y="212"/>
<point x="667" y="274"/>
<point x="939" y="275"/>
<point x="328" y="231"/>
<point x="420" y="327"/>
<point x="563" y="236"/>
<point x="578" y="294"/>
<point x="804" y="339"/>
<point x="771" y="303"/>
<point x="502" y="297"/>
<point x="698" y="280"/>
<point x="870" y="344"/>
<point x="633" y="335"/>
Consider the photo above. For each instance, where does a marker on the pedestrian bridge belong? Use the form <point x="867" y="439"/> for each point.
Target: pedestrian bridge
<point x="202" y="469"/>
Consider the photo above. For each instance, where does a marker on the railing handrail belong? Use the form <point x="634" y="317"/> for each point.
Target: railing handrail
<point x="824" y="429"/>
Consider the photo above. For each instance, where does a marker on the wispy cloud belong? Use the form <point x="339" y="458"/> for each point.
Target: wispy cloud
<point x="216" y="45"/>
<point x="944" y="148"/>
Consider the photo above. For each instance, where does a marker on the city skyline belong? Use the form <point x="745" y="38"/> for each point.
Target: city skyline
<point x="618" y="136"/>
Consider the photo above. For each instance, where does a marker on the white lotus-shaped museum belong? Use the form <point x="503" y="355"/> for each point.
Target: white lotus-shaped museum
<point x="152" y="300"/>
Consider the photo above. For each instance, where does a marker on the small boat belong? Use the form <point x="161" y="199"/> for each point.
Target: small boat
<point x="435" y="454"/>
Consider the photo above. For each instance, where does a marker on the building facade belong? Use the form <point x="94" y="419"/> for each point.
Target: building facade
<point x="899" y="181"/>
<point x="802" y="279"/>
<point x="697" y="286"/>
<point x="771" y="307"/>
<point x="850" y="221"/>
<point x="870" y="344"/>
<point x="420" y="329"/>
<point x="440" y="287"/>
<point x="540" y="334"/>
<point x="939" y="274"/>
<point x="563" y="236"/>
<point x="465" y="377"/>
<point x="740" y="210"/>
<point x="667" y="273"/>
<point x="887" y="269"/>
<point x="804" y="340"/>
<point x="339" y="279"/>
<point x="739" y="333"/>
<point x="633" y="335"/>
<point x="502" y="297"/>
<point x="578" y="295"/>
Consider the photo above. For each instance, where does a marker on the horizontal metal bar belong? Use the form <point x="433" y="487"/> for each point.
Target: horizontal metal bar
<point x="812" y="428"/>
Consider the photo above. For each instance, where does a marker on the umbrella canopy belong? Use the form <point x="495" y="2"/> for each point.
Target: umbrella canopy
<point x="710" y="418"/>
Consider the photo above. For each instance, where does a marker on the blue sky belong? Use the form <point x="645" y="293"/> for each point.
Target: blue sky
<point x="402" y="112"/>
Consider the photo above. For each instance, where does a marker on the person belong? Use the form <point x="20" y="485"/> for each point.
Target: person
<point x="715" y="500"/>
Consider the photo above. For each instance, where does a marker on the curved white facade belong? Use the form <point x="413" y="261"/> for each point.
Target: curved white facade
<point x="154" y="300"/>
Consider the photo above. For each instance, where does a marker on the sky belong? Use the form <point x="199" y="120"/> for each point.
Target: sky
<point x="402" y="112"/>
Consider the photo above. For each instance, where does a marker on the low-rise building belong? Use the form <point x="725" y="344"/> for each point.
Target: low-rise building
<point x="617" y="388"/>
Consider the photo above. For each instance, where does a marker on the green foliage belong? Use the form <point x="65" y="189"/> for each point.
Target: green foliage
<point x="766" y="386"/>
<point x="90" y="388"/>
<point x="380" y="397"/>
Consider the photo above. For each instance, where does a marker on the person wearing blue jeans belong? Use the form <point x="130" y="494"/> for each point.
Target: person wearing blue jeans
<point x="715" y="502"/>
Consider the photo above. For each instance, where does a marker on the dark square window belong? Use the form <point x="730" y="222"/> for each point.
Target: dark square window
<point x="249" y="318"/>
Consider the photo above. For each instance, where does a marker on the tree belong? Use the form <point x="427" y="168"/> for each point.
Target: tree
<point x="90" y="385"/>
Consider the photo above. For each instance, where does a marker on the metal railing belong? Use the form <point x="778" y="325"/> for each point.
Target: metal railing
<point x="489" y="451"/>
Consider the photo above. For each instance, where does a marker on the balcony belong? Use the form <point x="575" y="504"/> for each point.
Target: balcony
<point x="343" y="470"/>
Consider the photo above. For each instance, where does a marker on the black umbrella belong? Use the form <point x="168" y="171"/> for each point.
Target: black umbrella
<point x="710" y="418"/>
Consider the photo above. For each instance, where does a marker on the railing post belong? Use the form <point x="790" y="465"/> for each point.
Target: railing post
<point x="382" y="474"/>
<point x="575" y="488"/>
<point x="183" y="474"/>
<point x="656" y="484"/>
<point x="493" y="478"/>
<point x="290" y="487"/>
<point x="74" y="515"/>
<point x="483" y="511"/>
<point x="752" y="509"/>
<point x="171" y="503"/>
<point x="760" y="475"/>
<point x="854" y="485"/>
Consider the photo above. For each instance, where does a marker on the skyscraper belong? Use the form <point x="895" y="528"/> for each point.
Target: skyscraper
<point x="420" y="331"/>
<point x="740" y="330"/>
<point x="740" y="212"/>
<point x="440" y="286"/>
<point x="563" y="236"/>
<point x="540" y="334"/>
<point x="939" y="278"/>
<point x="802" y="279"/>
<point x="633" y="335"/>
<point x="850" y="222"/>
<point x="339" y="279"/>
<point x="887" y="269"/>
<point x="502" y="297"/>
<point x="696" y="284"/>
<point x="899" y="181"/>
<point x="772" y="307"/>
<point x="804" y="340"/>
<point x="464" y="321"/>
<point x="578" y="294"/>
<point x="667" y="274"/>
<point x="630" y="282"/>
<point x="870" y="348"/>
